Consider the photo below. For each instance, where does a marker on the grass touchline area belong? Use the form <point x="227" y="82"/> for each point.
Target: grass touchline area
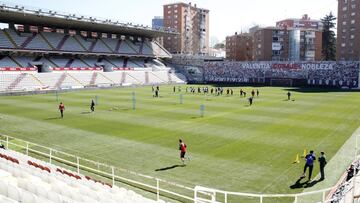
<point x="234" y="147"/>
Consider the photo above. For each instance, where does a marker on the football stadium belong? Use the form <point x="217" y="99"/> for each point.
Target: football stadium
<point x="96" y="110"/>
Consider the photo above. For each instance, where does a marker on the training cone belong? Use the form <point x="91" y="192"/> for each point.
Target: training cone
<point x="304" y="154"/>
<point x="297" y="159"/>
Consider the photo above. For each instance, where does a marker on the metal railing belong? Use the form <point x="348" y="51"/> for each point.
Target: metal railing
<point x="258" y="197"/>
<point x="162" y="189"/>
<point x="154" y="185"/>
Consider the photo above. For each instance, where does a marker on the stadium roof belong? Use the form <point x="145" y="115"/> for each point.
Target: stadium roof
<point x="47" y="18"/>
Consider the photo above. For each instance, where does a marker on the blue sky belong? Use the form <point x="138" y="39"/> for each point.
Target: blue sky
<point x="226" y="16"/>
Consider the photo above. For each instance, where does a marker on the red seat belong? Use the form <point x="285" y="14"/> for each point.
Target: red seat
<point x="47" y="169"/>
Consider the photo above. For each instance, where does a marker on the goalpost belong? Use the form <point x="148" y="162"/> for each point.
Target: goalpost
<point x="358" y="81"/>
<point x="281" y="82"/>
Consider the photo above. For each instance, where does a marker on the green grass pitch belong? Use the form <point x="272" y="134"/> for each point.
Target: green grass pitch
<point x="233" y="147"/>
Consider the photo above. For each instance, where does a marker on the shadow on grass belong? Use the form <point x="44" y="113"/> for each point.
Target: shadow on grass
<point x="170" y="167"/>
<point x="312" y="183"/>
<point x="298" y="184"/>
<point x="86" y="112"/>
<point x="197" y="117"/>
<point x="54" y="118"/>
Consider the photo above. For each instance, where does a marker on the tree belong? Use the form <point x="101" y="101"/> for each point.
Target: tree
<point x="328" y="38"/>
<point x="219" y="46"/>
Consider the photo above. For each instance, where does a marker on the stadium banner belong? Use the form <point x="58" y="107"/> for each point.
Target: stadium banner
<point x="332" y="74"/>
<point x="282" y="65"/>
<point x="17" y="69"/>
<point x="76" y="69"/>
<point x="359" y="81"/>
<point x="123" y="68"/>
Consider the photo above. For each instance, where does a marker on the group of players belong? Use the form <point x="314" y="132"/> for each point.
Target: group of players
<point x="62" y="108"/>
<point x="217" y="91"/>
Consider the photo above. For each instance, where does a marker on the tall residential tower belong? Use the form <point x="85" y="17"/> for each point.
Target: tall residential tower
<point x="192" y="23"/>
<point x="348" y="32"/>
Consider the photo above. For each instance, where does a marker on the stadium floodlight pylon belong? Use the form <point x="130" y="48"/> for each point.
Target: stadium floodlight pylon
<point x="297" y="159"/>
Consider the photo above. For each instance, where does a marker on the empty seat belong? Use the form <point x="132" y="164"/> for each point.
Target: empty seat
<point x="13" y="192"/>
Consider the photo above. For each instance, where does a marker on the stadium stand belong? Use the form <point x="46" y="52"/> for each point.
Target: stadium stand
<point x="326" y="74"/>
<point x="77" y="63"/>
<point x="28" y="180"/>
<point x="126" y="48"/>
<point x="111" y="44"/>
<point x="7" y="62"/>
<point x="53" y="39"/>
<point x="37" y="42"/>
<point x="135" y="77"/>
<point x="348" y="186"/>
<point x="83" y="42"/>
<point x="135" y="63"/>
<point x="60" y="61"/>
<point x="114" y="77"/>
<point x="116" y="62"/>
<point x="147" y="49"/>
<point x="74" y="78"/>
<point x="4" y="41"/>
<point x="71" y="44"/>
<point x="101" y="47"/>
<point x="24" y="61"/>
<point x="19" y="40"/>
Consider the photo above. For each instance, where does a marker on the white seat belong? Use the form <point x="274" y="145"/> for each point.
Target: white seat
<point x="42" y="200"/>
<point x="106" y="200"/>
<point x="42" y="190"/>
<point x="89" y="200"/>
<point x="14" y="192"/>
<point x="3" y="188"/>
<point x="23" y="184"/>
<point x="7" y="200"/>
<point x="54" y="197"/>
<point x="27" y="197"/>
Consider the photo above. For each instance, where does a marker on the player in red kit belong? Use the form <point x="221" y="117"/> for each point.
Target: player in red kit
<point x="182" y="148"/>
<point x="61" y="109"/>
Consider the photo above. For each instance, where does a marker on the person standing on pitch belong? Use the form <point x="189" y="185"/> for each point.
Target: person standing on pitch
<point x="310" y="158"/>
<point x="182" y="148"/>
<point x="289" y="96"/>
<point x="92" y="106"/>
<point x="250" y="101"/>
<point x="253" y="93"/>
<point x="257" y="93"/>
<point x="62" y="109"/>
<point x="322" y="163"/>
